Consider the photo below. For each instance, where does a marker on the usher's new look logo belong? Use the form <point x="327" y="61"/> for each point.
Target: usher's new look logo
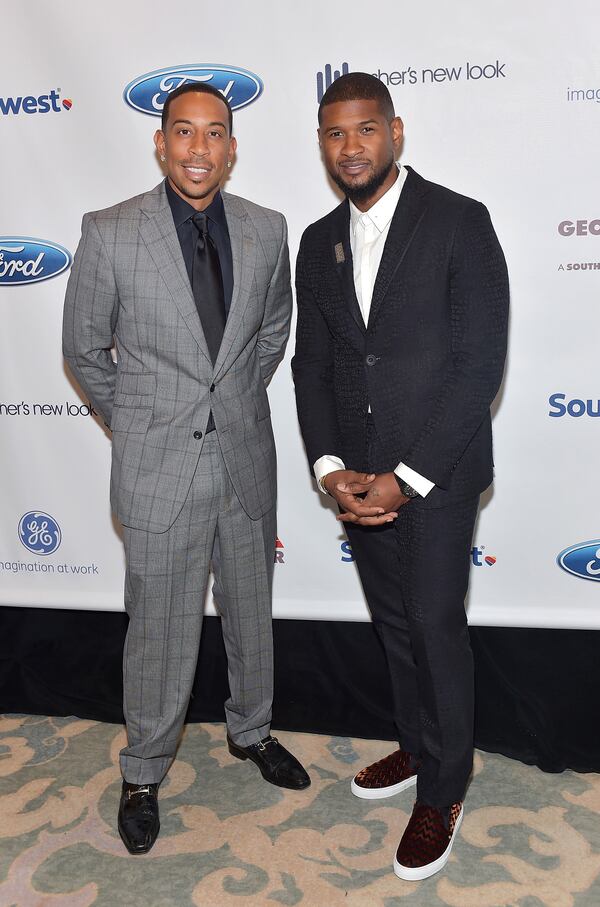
<point x="148" y="93"/>
<point x="24" y="259"/>
<point x="582" y="560"/>
<point x="328" y="77"/>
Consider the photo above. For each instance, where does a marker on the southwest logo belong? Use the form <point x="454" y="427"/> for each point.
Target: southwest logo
<point x="347" y="556"/>
<point x="44" y="103"/>
<point x="478" y="559"/>
<point x="582" y="560"/>
<point x="148" y="93"/>
<point x="575" y="407"/>
<point x="27" y="260"/>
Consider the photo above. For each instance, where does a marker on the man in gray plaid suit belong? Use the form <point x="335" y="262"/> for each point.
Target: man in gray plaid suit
<point x="192" y="288"/>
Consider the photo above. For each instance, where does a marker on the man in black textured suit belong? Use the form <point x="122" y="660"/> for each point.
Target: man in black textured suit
<point x="400" y="348"/>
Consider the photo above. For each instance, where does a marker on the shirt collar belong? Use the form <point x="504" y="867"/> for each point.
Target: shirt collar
<point x="183" y="211"/>
<point x="381" y="213"/>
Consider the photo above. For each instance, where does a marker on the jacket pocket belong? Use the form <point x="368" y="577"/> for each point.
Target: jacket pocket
<point x="132" y="384"/>
<point x="133" y="403"/>
<point x="263" y="410"/>
<point x="132" y="419"/>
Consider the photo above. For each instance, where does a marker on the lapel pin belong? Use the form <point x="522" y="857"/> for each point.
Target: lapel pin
<point x="339" y="253"/>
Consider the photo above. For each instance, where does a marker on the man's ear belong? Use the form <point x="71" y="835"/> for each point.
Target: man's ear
<point x="232" y="149"/>
<point x="159" y="143"/>
<point x="397" y="127"/>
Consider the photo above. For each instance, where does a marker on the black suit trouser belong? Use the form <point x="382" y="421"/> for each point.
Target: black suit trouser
<point x="415" y="575"/>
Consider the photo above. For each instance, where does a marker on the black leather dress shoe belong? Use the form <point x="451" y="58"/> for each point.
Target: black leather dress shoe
<point x="276" y="764"/>
<point x="138" y="816"/>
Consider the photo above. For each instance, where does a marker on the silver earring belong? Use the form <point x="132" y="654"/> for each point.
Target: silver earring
<point x="162" y="157"/>
<point x="229" y="163"/>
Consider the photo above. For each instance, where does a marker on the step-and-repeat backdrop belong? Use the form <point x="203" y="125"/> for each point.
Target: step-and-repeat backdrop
<point x="501" y="101"/>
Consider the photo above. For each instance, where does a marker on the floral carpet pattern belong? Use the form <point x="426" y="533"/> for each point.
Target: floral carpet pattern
<point x="528" y="839"/>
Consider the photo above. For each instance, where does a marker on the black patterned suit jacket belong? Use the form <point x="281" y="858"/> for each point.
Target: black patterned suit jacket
<point x="430" y="360"/>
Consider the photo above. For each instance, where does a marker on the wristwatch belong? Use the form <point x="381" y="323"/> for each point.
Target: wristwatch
<point x="321" y="483"/>
<point x="407" y="490"/>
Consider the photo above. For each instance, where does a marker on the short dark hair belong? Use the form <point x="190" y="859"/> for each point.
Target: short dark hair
<point x="359" y="86"/>
<point x="199" y="88"/>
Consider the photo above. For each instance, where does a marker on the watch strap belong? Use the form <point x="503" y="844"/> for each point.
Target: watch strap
<point x="407" y="490"/>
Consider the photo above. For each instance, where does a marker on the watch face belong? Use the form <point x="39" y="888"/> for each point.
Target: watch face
<point x="408" y="490"/>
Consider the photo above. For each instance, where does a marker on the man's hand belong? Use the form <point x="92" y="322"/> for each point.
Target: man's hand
<point x="346" y="484"/>
<point x="383" y="493"/>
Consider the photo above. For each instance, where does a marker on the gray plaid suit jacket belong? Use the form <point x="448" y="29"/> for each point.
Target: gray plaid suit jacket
<point x="129" y="288"/>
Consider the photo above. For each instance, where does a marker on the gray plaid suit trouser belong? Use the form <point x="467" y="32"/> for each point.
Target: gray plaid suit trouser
<point x="165" y="583"/>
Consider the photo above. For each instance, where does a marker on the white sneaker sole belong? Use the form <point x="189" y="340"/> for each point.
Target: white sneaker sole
<point x="411" y="874"/>
<point x="380" y="793"/>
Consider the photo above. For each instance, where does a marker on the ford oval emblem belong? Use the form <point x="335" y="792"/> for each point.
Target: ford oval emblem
<point x="582" y="560"/>
<point x="24" y="259"/>
<point x="147" y="93"/>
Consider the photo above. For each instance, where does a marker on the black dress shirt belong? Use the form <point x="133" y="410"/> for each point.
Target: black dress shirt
<point x="217" y="228"/>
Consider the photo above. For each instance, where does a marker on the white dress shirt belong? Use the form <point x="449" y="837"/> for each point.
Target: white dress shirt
<point x="368" y="234"/>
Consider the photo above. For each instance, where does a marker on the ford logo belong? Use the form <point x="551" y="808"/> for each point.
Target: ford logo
<point x="582" y="560"/>
<point x="27" y="260"/>
<point x="148" y="93"/>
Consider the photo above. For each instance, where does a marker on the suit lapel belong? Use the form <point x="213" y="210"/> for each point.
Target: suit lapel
<point x="243" y="253"/>
<point x="158" y="232"/>
<point x="405" y="223"/>
<point x="343" y="263"/>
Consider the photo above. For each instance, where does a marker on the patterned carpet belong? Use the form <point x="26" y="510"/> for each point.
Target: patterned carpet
<point x="528" y="839"/>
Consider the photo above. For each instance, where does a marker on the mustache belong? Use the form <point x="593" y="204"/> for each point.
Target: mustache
<point x="197" y="163"/>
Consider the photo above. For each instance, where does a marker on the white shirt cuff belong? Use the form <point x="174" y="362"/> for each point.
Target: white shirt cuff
<point x="324" y="466"/>
<point x="422" y="485"/>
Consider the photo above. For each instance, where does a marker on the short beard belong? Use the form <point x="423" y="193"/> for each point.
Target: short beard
<point x="363" y="193"/>
<point x="201" y="193"/>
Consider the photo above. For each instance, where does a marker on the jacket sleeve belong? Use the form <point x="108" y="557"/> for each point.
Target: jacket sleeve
<point x="312" y="368"/>
<point x="89" y="319"/>
<point x="275" y="328"/>
<point x="479" y="296"/>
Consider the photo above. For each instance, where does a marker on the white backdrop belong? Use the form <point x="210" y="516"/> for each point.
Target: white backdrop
<point x="501" y="101"/>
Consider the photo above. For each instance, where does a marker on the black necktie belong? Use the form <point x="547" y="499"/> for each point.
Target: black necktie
<point x="207" y="286"/>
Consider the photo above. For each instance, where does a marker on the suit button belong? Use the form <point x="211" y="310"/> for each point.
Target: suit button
<point x="212" y="387"/>
<point x="197" y="435"/>
<point x="371" y="359"/>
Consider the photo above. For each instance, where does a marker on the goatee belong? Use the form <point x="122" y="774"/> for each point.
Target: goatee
<point x="364" y="192"/>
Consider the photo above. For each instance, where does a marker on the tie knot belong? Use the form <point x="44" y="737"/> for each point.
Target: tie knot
<point x="200" y="222"/>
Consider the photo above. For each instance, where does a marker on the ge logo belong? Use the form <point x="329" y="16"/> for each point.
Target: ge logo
<point x="39" y="532"/>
